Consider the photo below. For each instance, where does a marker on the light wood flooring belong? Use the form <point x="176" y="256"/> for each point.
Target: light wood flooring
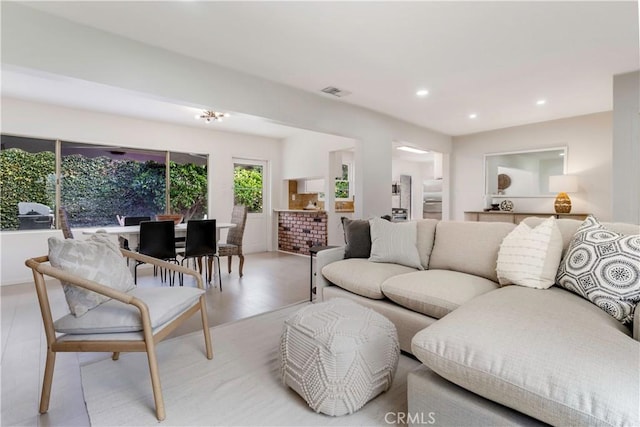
<point x="271" y="280"/>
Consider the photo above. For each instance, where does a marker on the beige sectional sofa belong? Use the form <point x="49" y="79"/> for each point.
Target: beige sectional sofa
<point x="495" y="355"/>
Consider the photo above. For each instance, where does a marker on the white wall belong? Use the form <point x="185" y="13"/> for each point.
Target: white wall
<point x="18" y="246"/>
<point x="83" y="126"/>
<point x="308" y="156"/>
<point x="589" y="142"/>
<point x="37" y="41"/>
<point x="626" y="148"/>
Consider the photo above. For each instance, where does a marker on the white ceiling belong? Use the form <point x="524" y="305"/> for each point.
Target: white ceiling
<point x="495" y="59"/>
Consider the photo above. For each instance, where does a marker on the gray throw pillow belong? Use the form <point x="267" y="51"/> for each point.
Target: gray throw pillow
<point x="604" y="267"/>
<point x="357" y="237"/>
<point x="395" y="243"/>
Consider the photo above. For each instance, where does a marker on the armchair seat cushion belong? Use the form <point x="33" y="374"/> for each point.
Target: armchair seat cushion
<point x="363" y="277"/>
<point x="114" y="316"/>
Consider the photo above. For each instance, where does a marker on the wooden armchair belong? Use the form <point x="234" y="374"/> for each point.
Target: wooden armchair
<point x="152" y="330"/>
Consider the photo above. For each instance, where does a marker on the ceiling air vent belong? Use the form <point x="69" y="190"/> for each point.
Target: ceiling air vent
<point x="335" y="91"/>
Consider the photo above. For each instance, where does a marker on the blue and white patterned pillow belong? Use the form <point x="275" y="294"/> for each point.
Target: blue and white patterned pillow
<point x="604" y="267"/>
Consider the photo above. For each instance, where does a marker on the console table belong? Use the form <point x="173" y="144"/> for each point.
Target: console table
<point x="516" y="217"/>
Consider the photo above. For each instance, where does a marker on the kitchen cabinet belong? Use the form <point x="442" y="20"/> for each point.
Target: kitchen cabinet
<point x="306" y="186"/>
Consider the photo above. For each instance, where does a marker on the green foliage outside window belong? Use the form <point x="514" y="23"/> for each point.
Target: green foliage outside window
<point x="188" y="190"/>
<point x="24" y="177"/>
<point x="247" y="186"/>
<point x="342" y="184"/>
<point x="95" y="190"/>
<point x="342" y="189"/>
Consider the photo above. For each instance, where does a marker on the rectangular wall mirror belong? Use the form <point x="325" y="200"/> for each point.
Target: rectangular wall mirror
<point x="523" y="173"/>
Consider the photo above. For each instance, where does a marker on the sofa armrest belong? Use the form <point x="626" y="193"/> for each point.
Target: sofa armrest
<point x="323" y="258"/>
<point x="636" y="324"/>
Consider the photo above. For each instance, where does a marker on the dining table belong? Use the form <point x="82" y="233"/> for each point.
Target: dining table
<point x="132" y="233"/>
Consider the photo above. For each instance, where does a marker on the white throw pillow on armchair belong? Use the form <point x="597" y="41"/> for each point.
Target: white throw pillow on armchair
<point x="530" y="256"/>
<point x="98" y="259"/>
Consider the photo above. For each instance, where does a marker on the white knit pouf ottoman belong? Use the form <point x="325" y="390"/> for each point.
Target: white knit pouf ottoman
<point x="338" y="355"/>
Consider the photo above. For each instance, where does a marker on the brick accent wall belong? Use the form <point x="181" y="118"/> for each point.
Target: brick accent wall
<point x="298" y="231"/>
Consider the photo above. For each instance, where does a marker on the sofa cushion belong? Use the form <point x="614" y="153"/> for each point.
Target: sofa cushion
<point x="426" y="234"/>
<point x="114" y="316"/>
<point x="361" y="276"/>
<point x="530" y="256"/>
<point x="395" y="243"/>
<point x="603" y="267"/>
<point x="469" y="247"/>
<point x="357" y="238"/>
<point x="546" y="353"/>
<point x="435" y="292"/>
<point x="98" y="259"/>
<point x="568" y="228"/>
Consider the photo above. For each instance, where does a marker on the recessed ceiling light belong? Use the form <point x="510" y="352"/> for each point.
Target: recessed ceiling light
<point x="541" y="101"/>
<point x="411" y="149"/>
<point x="473" y="115"/>
<point x="422" y="92"/>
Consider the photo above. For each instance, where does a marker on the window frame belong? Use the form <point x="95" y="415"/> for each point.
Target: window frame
<point x="57" y="148"/>
<point x="264" y="164"/>
<point x="349" y="180"/>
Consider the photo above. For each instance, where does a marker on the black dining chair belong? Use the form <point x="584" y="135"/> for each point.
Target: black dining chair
<point x="131" y="220"/>
<point x="157" y="240"/>
<point x="201" y="243"/>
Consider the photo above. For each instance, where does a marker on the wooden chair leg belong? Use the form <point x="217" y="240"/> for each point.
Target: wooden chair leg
<point x="241" y="263"/>
<point x="47" y="381"/>
<point x="229" y="263"/>
<point x="200" y="265"/>
<point x="155" y="380"/>
<point x="205" y="328"/>
<point x="116" y="355"/>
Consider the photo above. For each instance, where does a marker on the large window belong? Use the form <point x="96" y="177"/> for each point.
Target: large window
<point x="27" y="174"/>
<point x="99" y="183"/>
<point x="188" y="185"/>
<point x="248" y="186"/>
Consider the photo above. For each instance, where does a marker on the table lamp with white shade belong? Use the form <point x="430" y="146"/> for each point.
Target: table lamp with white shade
<point x="563" y="184"/>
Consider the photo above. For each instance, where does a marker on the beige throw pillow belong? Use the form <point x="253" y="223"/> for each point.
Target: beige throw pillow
<point x="98" y="259"/>
<point x="530" y="256"/>
<point x="394" y="242"/>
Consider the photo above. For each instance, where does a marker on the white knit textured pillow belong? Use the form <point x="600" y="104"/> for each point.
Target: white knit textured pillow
<point x="530" y="256"/>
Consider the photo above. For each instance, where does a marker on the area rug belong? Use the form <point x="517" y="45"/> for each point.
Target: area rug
<point x="241" y="386"/>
